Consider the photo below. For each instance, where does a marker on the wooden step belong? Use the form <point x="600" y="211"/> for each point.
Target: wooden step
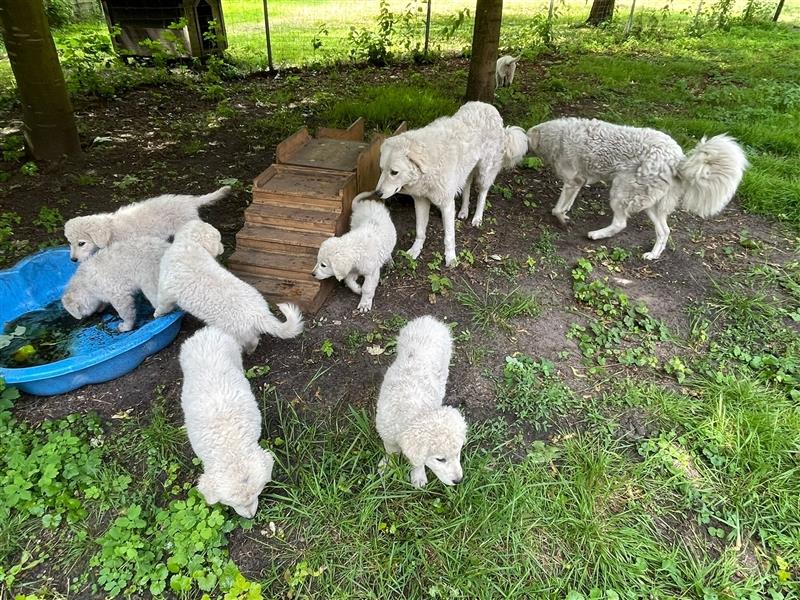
<point x="320" y="186"/>
<point x="309" y="296"/>
<point x="295" y="218"/>
<point x="266" y="236"/>
<point x="246" y="264"/>
<point x="283" y="261"/>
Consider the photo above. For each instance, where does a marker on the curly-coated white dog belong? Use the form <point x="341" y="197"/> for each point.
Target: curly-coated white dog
<point x="361" y="251"/>
<point x="114" y="276"/>
<point x="192" y="278"/>
<point x="159" y="217"/>
<point x="433" y="164"/>
<point x="646" y="168"/>
<point x="504" y="70"/>
<point x="515" y="146"/>
<point x="223" y="422"/>
<point x="410" y="417"/>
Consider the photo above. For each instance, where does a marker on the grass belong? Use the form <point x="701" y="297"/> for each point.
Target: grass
<point x="494" y="308"/>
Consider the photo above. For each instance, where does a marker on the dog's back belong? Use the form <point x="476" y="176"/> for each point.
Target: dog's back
<point x="598" y="151"/>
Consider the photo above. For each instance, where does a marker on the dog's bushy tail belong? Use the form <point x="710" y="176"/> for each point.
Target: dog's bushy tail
<point x="710" y="174"/>
<point x="291" y="327"/>
<point x="213" y="197"/>
<point x="363" y="196"/>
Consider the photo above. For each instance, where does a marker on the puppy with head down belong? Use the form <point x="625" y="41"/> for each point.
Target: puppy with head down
<point x="158" y="217"/>
<point x="223" y="422"/>
<point x="114" y="276"/>
<point x="360" y="252"/>
<point x="191" y="278"/>
<point x="410" y="417"/>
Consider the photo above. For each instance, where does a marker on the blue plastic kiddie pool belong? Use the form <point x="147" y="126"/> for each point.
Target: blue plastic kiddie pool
<point x="95" y="353"/>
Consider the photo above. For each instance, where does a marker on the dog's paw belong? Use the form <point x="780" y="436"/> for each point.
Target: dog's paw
<point x="463" y="214"/>
<point x="414" y="251"/>
<point x="651" y="255"/>
<point x="477" y="222"/>
<point x="451" y="261"/>
<point x="563" y="219"/>
<point x="123" y="327"/>
<point x="418" y="478"/>
<point x="364" y="306"/>
<point x="594" y="235"/>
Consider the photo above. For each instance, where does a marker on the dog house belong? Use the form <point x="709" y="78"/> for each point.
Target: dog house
<point x="301" y="200"/>
<point x="181" y="28"/>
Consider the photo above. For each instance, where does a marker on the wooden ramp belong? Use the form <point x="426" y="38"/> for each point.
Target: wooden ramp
<point x="302" y="199"/>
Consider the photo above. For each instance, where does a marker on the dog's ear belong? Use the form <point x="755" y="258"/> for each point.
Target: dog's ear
<point x="414" y="443"/>
<point x="418" y="157"/>
<point x="205" y="485"/>
<point x="515" y="58"/>
<point x="99" y="231"/>
<point x="340" y="263"/>
<point x="533" y="139"/>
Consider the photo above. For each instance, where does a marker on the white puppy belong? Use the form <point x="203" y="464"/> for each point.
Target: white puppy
<point x="361" y="251"/>
<point x="504" y="70"/>
<point x="646" y="168"/>
<point x="515" y="147"/>
<point x="192" y="278"/>
<point x="114" y="276"/>
<point x="410" y="417"/>
<point x="223" y="422"/>
<point x="433" y="164"/>
<point x="158" y="217"/>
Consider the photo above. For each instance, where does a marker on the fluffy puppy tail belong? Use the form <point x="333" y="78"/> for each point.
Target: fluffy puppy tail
<point x="710" y="174"/>
<point x="363" y="196"/>
<point x="213" y="197"/>
<point x="291" y="327"/>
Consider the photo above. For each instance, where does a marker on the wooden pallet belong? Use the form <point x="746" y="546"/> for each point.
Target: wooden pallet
<point x="301" y="200"/>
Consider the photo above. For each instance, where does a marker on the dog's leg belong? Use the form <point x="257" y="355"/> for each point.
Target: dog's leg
<point x="618" y="223"/>
<point x="368" y="290"/>
<point x="351" y="282"/>
<point x="418" y="477"/>
<point x="485" y="179"/>
<point x="569" y="192"/>
<point x="662" y="233"/>
<point x="422" y="209"/>
<point x="464" y="212"/>
<point x="448" y="210"/>
<point x="126" y="309"/>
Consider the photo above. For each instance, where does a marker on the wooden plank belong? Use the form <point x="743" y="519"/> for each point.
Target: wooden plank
<point x="282" y="261"/>
<point x="291" y="144"/>
<point x="309" y="297"/>
<point x="353" y="133"/>
<point x="276" y="235"/>
<point x="369" y="170"/>
<point x="336" y="155"/>
<point x="296" y="218"/>
<point x="298" y="202"/>
<point x="264" y="271"/>
<point x="302" y="181"/>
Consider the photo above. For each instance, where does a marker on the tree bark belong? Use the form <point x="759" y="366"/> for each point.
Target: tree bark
<point x="49" y="123"/>
<point x="485" y="42"/>
<point x="778" y="11"/>
<point x="602" y="11"/>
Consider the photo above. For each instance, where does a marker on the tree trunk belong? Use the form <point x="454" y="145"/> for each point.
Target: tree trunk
<point x="485" y="42"/>
<point x="49" y="129"/>
<point x="602" y="11"/>
<point x="778" y="11"/>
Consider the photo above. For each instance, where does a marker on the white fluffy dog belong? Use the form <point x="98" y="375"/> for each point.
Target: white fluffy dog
<point x="192" y="278"/>
<point x="515" y="147"/>
<point x="114" y="276"/>
<point x="159" y="217"/>
<point x="434" y="163"/>
<point x="361" y="251"/>
<point x="646" y="168"/>
<point x="504" y="70"/>
<point x="410" y="417"/>
<point x="223" y="422"/>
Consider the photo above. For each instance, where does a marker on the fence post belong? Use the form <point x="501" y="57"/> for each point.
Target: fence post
<point x="629" y="24"/>
<point x="428" y="28"/>
<point x="778" y="11"/>
<point x="266" y="30"/>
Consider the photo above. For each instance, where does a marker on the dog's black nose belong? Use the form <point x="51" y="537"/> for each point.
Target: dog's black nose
<point x="459" y="480"/>
<point x="74" y="259"/>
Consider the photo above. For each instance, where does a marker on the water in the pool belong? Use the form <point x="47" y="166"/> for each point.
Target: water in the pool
<point x="49" y="334"/>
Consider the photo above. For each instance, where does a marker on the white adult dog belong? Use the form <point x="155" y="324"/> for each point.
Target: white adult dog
<point x="410" y="417"/>
<point x="504" y="70"/>
<point x="515" y="147"/>
<point x="436" y="162"/>
<point x="223" y="422"/>
<point x="646" y="168"/>
<point x="361" y="251"/>
<point x="159" y="217"/>
<point x="191" y="278"/>
<point x="114" y="275"/>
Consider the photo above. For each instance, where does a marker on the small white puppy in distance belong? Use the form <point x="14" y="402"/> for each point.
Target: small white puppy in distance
<point x="223" y="422"/>
<point x="114" y="276"/>
<point x="433" y="164"/>
<point x="159" y="217"/>
<point x="504" y="70"/>
<point x="410" y="417"/>
<point x="646" y="168"/>
<point x="361" y="251"/>
<point x="191" y="278"/>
